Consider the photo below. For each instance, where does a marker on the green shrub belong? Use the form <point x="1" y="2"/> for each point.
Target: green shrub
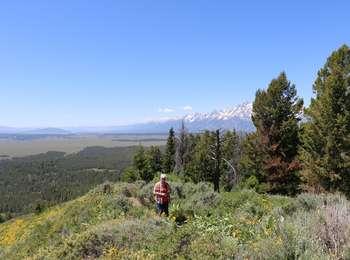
<point x="122" y="203"/>
<point x="145" y="195"/>
<point x="130" y="174"/>
<point x="213" y="246"/>
<point x="180" y="215"/>
<point x="310" y="201"/>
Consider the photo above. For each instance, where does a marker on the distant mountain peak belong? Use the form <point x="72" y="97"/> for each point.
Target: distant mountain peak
<point x="242" y="111"/>
<point x="47" y="131"/>
<point x="236" y="117"/>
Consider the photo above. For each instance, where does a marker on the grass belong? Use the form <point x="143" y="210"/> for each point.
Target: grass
<point x="117" y="221"/>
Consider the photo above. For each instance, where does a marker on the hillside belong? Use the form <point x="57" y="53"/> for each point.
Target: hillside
<point x="54" y="177"/>
<point x="117" y="221"/>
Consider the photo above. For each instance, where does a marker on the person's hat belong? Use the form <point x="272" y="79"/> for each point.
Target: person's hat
<point x="163" y="176"/>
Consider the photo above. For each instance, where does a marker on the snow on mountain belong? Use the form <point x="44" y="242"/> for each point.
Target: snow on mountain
<point x="242" y="111"/>
<point x="238" y="117"/>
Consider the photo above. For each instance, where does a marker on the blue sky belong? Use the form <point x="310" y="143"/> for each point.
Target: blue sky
<point x="86" y="63"/>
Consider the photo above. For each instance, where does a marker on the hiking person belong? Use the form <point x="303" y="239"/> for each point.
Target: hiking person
<point x="161" y="194"/>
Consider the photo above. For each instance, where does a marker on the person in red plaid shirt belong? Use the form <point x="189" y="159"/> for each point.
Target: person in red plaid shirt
<point x="161" y="193"/>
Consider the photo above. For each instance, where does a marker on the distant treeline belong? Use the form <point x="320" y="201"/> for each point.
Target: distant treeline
<point x="140" y="140"/>
<point x="34" y="182"/>
<point x="26" y="137"/>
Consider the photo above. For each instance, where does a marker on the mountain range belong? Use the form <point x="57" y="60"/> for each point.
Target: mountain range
<point x="237" y="117"/>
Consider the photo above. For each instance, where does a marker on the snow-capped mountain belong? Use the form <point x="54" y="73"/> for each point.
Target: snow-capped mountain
<point x="238" y="117"/>
<point x="242" y="111"/>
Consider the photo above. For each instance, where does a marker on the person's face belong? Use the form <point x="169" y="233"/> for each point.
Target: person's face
<point x="162" y="180"/>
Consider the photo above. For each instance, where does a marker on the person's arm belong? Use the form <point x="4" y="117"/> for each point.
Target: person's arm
<point x="155" y="192"/>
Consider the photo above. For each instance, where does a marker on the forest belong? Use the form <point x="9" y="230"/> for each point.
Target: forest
<point x="31" y="183"/>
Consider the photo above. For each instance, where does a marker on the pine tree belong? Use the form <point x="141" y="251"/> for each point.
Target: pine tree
<point x="276" y="113"/>
<point x="154" y="155"/>
<point x="251" y="162"/>
<point x="170" y="150"/>
<point x="203" y="164"/>
<point x="189" y="168"/>
<point x="208" y="163"/>
<point x="142" y="165"/>
<point x="325" y="152"/>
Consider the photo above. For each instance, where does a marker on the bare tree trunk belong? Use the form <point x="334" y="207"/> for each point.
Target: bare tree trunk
<point x="181" y="147"/>
<point x="218" y="158"/>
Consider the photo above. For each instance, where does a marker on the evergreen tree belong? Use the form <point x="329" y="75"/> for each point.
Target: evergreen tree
<point x="231" y="146"/>
<point x="203" y="164"/>
<point x="251" y="162"/>
<point x="170" y="150"/>
<point x="189" y="167"/>
<point x="142" y="164"/>
<point x="154" y="155"/>
<point x="130" y="174"/>
<point x="325" y="152"/>
<point x="276" y="113"/>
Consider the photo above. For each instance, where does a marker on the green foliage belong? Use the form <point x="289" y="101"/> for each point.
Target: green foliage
<point x="253" y="183"/>
<point x="251" y="163"/>
<point x="231" y="153"/>
<point x="142" y="164"/>
<point x="326" y="135"/>
<point x="276" y="113"/>
<point x="53" y="177"/>
<point x="179" y="215"/>
<point x="182" y="146"/>
<point x="130" y="175"/>
<point x="189" y="165"/>
<point x="154" y="156"/>
<point x="202" y="224"/>
<point x="170" y="151"/>
<point x="146" y="165"/>
<point x="2" y="218"/>
<point x="203" y="165"/>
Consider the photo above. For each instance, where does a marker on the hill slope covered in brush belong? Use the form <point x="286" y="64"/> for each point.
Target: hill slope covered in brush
<point x="117" y="221"/>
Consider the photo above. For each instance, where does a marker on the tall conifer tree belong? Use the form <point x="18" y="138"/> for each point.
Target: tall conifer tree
<point x="276" y="113"/>
<point x="170" y="150"/>
<point x="325" y="152"/>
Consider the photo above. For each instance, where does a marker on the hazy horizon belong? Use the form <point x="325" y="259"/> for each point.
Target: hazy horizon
<point x="144" y="121"/>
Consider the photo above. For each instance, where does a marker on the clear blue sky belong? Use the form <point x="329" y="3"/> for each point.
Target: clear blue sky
<point x="84" y="63"/>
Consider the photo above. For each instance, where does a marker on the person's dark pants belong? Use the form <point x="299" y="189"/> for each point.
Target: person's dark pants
<point x="163" y="208"/>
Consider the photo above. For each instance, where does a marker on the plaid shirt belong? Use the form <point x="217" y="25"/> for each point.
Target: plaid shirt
<point x="162" y="188"/>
